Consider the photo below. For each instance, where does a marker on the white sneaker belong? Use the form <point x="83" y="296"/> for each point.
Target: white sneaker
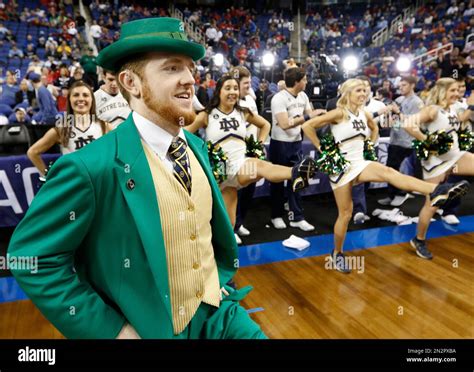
<point x="359" y="218"/>
<point x="243" y="231"/>
<point x="366" y="218"/>
<point x="303" y="225"/>
<point x="399" y="200"/>
<point x="237" y="239"/>
<point x="384" y="201"/>
<point x="278" y="223"/>
<point x="451" y="219"/>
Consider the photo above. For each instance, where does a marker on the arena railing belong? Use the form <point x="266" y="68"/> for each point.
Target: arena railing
<point x="381" y="36"/>
<point x="432" y="54"/>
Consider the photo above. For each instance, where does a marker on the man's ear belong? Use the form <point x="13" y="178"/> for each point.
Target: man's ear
<point x="130" y="82"/>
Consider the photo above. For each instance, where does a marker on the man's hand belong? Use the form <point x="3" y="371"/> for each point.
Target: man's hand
<point x="128" y="333"/>
<point x="394" y="108"/>
<point x="470" y="99"/>
<point x="317" y="112"/>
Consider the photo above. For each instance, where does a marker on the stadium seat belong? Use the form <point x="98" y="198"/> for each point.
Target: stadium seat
<point x="14" y="140"/>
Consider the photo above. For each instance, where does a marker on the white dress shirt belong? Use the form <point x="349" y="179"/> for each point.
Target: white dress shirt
<point x="156" y="137"/>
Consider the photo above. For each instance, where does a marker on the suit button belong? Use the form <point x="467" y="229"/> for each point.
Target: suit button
<point x="196" y="265"/>
<point x="191" y="208"/>
<point x="199" y="294"/>
<point x="192" y="237"/>
<point x="130" y="184"/>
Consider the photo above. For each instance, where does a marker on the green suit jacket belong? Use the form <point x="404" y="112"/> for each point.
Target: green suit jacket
<point x="98" y="238"/>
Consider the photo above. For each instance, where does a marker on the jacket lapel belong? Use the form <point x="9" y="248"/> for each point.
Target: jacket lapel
<point x="135" y="180"/>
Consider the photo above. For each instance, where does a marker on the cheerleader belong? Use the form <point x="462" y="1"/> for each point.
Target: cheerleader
<point x="353" y="126"/>
<point x="73" y="131"/>
<point x="225" y="122"/>
<point x="440" y="114"/>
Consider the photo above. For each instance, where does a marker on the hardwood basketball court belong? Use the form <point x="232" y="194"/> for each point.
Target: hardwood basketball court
<point x="398" y="295"/>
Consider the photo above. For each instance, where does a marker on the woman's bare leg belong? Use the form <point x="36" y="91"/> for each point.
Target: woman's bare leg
<point x="343" y="197"/>
<point x="254" y="169"/>
<point x="376" y="172"/>
<point x="229" y="195"/>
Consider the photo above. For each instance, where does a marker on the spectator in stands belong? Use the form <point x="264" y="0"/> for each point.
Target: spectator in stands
<point x="19" y="117"/>
<point x="15" y="52"/>
<point x="5" y="33"/>
<point x="63" y="51"/>
<point x="35" y="65"/>
<point x="202" y="92"/>
<point x="346" y="43"/>
<point x="63" y="79"/>
<point x="289" y="63"/>
<point x="30" y="50"/>
<point x="81" y="25"/>
<point x="29" y="40"/>
<point x="47" y="106"/>
<point x="51" y="46"/>
<point x="453" y="9"/>
<point x="89" y="64"/>
<point x="387" y="85"/>
<point x="381" y="24"/>
<point x="470" y="59"/>
<point x="213" y="35"/>
<point x="372" y="72"/>
<point x="280" y="86"/>
<point x="9" y="89"/>
<point x="421" y="49"/>
<point x="51" y="74"/>
<point x="78" y="75"/>
<point x="96" y="33"/>
<point x="61" y="99"/>
<point x="351" y="28"/>
<point x="41" y="40"/>
<point x="24" y="96"/>
<point x="310" y="69"/>
<point x="76" y="54"/>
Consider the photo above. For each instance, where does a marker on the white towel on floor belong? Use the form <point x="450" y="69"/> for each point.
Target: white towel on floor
<point x="296" y="243"/>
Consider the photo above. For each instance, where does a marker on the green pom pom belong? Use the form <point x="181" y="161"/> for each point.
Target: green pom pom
<point x="255" y="149"/>
<point x="437" y="143"/>
<point x="465" y="139"/>
<point x="331" y="161"/>
<point x="218" y="160"/>
<point x="369" y="151"/>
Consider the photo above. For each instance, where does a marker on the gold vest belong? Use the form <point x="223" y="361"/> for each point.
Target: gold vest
<point x="187" y="233"/>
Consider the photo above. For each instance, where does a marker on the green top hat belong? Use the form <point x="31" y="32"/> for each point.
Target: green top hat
<point x="149" y="35"/>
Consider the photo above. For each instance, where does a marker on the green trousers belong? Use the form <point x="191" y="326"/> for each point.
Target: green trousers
<point x="229" y="321"/>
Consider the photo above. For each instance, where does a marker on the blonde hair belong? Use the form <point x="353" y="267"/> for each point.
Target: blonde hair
<point x="346" y="90"/>
<point x="437" y="94"/>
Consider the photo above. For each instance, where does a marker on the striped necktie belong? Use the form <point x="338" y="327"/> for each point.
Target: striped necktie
<point x="179" y="157"/>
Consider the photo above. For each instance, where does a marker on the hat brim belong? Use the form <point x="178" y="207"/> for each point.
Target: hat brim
<point x="110" y="57"/>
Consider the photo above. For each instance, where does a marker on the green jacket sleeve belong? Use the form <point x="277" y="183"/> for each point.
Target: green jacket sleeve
<point x="52" y="230"/>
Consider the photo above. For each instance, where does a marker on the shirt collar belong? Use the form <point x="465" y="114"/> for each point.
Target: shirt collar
<point x="156" y="137"/>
